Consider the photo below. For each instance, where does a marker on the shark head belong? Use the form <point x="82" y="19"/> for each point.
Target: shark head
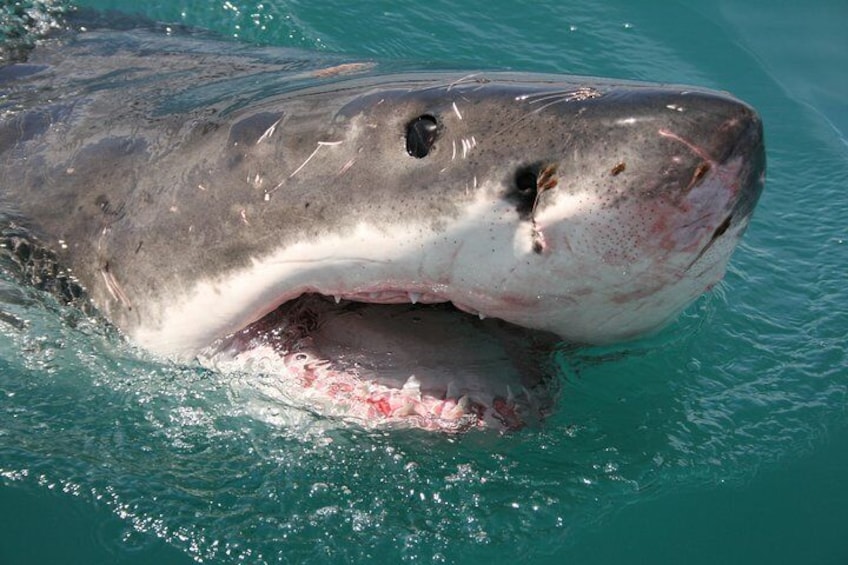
<point x="396" y="244"/>
<point x="585" y="211"/>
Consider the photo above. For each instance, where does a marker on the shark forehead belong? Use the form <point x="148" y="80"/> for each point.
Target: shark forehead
<point x="591" y="208"/>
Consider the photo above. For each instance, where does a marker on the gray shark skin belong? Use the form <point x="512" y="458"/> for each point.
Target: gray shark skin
<point x="193" y="186"/>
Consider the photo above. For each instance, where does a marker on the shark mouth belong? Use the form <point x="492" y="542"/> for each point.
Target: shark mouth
<point x="390" y="359"/>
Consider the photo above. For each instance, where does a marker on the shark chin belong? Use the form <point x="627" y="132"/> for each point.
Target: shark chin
<point x="394" y="248"/>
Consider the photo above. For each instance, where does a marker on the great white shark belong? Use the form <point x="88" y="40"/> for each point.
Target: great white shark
<point x="255" y="208"/>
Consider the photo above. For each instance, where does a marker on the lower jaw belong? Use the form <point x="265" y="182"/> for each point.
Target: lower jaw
<point x="429" y="367"/>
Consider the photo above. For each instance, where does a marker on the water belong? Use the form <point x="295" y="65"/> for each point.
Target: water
<point x="722" y="440"/>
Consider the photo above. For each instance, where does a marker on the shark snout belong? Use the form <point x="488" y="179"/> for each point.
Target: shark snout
<point x="749" y="149"/>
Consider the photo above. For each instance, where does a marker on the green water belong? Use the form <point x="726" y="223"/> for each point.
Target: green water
<point x="722" y="440"/>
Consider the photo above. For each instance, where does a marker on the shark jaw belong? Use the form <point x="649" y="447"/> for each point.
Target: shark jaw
<point x="384" y="326"/>
<point x="424" y="366"/>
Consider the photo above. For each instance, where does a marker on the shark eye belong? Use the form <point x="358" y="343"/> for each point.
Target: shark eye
<point x="421" y="134"/>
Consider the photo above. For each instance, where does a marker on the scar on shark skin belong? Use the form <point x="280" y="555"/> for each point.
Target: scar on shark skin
<point x="114" y="288"/>
<point x="315" y="152"/>
<point x="321" y="144"/>
<point x="344" y="69"/>
<point x="546" y="180"/>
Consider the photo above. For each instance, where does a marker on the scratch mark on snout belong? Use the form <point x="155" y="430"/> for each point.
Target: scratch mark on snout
<point x="456" y="110"/>
<point x="343" y="69"/>
<point x="114" y="288"/>
<point x="546" y="180"/>
<point x="311" y="155"/>
<point x="467" y="78"/>
<point x="268" y="132"/>
<point x="467" y="145"/>
<point x="345" y="167"/>
<point x="692" y="147"/>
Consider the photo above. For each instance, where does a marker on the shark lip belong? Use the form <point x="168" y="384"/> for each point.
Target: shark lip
<point x="399" y="359"/>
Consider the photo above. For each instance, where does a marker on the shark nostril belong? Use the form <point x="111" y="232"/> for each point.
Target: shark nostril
<point x="722" y="228"/>
<point x="525" y="188"/>
<point x="700" y="172"/>
<point x="526" y="181"/>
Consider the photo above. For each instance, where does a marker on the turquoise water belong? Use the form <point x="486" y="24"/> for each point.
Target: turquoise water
<point x="722" y="440"/>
